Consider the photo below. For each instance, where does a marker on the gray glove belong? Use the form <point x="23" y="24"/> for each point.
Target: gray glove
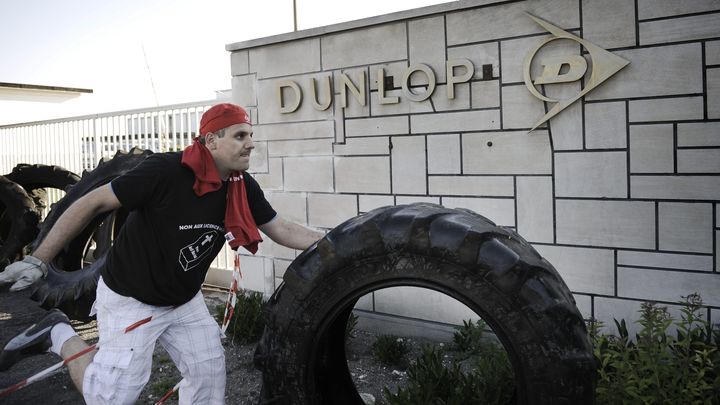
<point x="24" y="273"/>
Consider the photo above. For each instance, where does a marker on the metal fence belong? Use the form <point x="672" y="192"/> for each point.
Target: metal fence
<point x="79" y="143"/>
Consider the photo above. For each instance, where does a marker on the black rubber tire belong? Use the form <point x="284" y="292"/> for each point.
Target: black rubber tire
<point x="35" y="178"/>
<point x="18" y="221"/>
<point x="71" y="281"/>
<point x="457" y="252"/>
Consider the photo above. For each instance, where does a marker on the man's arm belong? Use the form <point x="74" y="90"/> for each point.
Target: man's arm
<point x="75" y="219"/>
<point x="290" y="234"/>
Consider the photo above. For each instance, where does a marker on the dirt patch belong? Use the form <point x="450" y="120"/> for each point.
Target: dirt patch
<point x="18" y="311"/>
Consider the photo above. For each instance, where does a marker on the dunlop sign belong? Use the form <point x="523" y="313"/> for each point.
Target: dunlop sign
<point x="556" y="69"/>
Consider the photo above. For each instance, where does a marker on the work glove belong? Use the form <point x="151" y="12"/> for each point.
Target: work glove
<point x="24" y="273"/>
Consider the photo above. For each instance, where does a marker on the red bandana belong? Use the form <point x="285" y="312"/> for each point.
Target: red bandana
<point x="241" y="227"/>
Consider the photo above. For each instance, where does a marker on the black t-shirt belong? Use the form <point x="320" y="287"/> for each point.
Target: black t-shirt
<point x="171" y="236"/>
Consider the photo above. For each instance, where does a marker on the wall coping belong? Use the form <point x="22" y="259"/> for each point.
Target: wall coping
<point x="456" y="5"/>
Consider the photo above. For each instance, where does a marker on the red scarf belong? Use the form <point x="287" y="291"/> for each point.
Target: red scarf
<point x="241" y="227"/>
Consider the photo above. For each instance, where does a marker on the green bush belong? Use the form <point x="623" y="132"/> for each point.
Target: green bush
<point x="350" y="326"/>
<point x="656" y="367"/>
<point x="390" y="350"/>
<point x="491" y="380"/>
<point x="468" y="338"/>
<point x="247" y="323"/>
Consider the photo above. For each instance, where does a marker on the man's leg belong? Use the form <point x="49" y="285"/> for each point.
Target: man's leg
<point x="77" y="367"/>
<point x="193" y="342"/>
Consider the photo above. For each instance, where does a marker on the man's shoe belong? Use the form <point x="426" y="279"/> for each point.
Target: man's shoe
<point x="33" y="340"/>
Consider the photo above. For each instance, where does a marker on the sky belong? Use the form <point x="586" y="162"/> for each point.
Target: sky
<point x="143" y="53"/>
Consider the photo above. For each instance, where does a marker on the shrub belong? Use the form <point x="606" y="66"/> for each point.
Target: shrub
<point x="655" y="367"/>
<point x="390" y="350"/>
<point x="350" y="326"/>
<point x="431" y="382"/>
<point x="468" y="338"/>
<point x="247" y="323"/>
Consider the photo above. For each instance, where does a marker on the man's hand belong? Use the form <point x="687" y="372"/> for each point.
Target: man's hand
<point x="24" y="273"/>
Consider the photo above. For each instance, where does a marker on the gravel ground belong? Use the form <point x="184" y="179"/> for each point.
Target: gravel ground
<point x="17" y="312"/>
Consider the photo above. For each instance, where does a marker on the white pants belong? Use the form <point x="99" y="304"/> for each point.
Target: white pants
<point x="122" y="366"/>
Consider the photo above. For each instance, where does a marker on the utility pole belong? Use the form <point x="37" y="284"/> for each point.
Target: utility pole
<point x="294" y="15"/>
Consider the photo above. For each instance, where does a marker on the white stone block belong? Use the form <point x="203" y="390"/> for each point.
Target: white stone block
<point x="272" y="180"/>
<point x="584" y="305"/>
<point x="377" y="126"/>
<point x="368" y="203"/>
<point x="610" y="23"/>
<point x="291" y="206"/>
<point x="409" y="166"/>
<point x="509" y="20"/>
<point x="566" y="127"/>
<point x="243" y="90"/>
<point x="499" y="210"/>
<point x="394" y="70"/>
<point x="485" y="94"/>
<point x="605" y="125"/>
<point x="422" y="303"/>
<point x="461" y="101"/>
<point x="671" y="286"/>
<point x="712" y="53"/>
<point x="259" y="158"/>
<point x="479" y="55"/>
<point x="362" y="174"/>
<point x="583" y="270"/>
<point x="680" y="29"/>
<point x="363" y="146"/>
<point x="444" y="154"/>
<point x="366" y="302"/>
<point x="510" y="152"/>
<point x="269" y="102"/>
<point x="685" y="227"/>
<point x="665" y="8"/>
<point x="402" y="199"/>
<point x="383" y="43"/>
<point x="329" y="210"/>
<point x="665" y="260"/>
<point x="270" y="248"/>
<point x="426" y="39"/>
<point x="280" y="267"/>
<point x="514" y="52"/>
<point x="488" y="186"/>
<point x="520" y="109"/>
<point x="666" y="109"/>
<point x="713" y="93"/>
<point x="591" y="174"/>
<point x="239" y="63"/>
<point x="308" y="174"/>
<point x="628" y="224"/>
<point x="295" y="130"/>
<point x="404" y="106"/>
<point x="675" y="187"/>
<point x="607" y="309"/>
<point x="455" y="121"/>
<point x="651" y="149"/>
<point x="698" y="134"/>
<point x="535" y="218"/>
<point x="253" y="269"/>
<point x="655" y="71"/>
<point x="285" y="59"/>
<point x="698" y="160"/>
<point x="303" y="147"/>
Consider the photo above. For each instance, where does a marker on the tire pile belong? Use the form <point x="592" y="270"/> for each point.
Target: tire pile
<point x="73" y="274"/>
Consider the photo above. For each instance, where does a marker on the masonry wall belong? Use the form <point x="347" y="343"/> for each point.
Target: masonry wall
<point x="620" y="190"/>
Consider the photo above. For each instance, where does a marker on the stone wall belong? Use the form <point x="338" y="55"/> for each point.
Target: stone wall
<point x="619" y="190"/>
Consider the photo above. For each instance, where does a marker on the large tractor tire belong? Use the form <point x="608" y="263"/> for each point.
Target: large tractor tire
<point x="18" y="221"/>
<point x="36" y="178"/>
<point x="72" y="275"/>
<point x="490" y="269"/>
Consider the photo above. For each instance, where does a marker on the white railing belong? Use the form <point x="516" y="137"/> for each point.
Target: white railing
<point x="78" y="143"/>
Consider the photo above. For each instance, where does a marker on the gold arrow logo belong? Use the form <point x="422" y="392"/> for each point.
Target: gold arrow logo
<point x="604" y="66"/>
